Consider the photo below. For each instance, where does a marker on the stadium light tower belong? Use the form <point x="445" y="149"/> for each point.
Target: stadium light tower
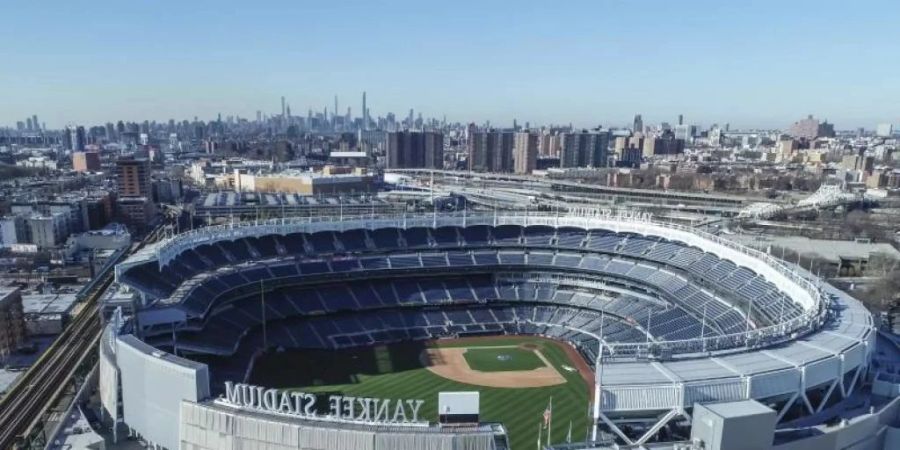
<point x="262" y="303"/>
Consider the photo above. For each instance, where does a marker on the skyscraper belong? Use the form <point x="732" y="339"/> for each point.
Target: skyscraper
<point x="365" y="113"/>
<point x="638" y="126"/>
<point x="74" y="138"/>
<point x="680" y="119"/>
<point x="283" y="108"/>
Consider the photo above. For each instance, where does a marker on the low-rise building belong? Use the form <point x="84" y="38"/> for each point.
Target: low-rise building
<point x="330" y="181"/>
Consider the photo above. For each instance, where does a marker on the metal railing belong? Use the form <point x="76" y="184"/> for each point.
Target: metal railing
<point x="815" y="306"/>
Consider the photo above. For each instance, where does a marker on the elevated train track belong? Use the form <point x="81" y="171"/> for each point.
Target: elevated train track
<point x="23" y="409"/>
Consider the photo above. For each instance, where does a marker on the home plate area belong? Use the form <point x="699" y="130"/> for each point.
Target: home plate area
<point x="493" y="366"/>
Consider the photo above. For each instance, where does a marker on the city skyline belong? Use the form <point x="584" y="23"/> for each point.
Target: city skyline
<point x="587" y="64"/>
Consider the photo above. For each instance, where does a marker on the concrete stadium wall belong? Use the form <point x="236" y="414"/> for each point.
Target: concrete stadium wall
<point x="212" y="427"/>
<point x="108" y="380"/>
<point x="153" y="385"/>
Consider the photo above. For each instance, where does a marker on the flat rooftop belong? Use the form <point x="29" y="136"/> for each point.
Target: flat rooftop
<point x="738" y="409"/>
<point x="6" y="292"/>
<point x="60" y="303"/>
<point x="830" y="250"/>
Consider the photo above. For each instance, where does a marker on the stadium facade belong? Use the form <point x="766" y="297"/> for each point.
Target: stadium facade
<point x="669" y="317"/>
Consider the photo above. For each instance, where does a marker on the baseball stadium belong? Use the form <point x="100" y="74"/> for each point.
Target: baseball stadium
<point x="476" y="331"/>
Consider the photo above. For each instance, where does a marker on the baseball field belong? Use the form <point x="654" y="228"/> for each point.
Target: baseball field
<point x="516" y="376"/>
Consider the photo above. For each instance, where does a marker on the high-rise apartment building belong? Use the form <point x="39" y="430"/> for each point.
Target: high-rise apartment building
<point x="663" y="145"/>
<point x="133" y="177"/>
<point x="685" y="132"/>
<point x="810" y="128"/>
<point x="86" y="161"/>
<point x="414" y="149"/>
<point x="135" y="202"/>
<point x="525" y="152"/>
<point x="544" y="144"/>
<point x="491" y="151"/>
<point x="585" y="149"/>
<point x="549" y="145"/>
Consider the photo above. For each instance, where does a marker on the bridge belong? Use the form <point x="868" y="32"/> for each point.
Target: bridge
<point x="827" y="196"/>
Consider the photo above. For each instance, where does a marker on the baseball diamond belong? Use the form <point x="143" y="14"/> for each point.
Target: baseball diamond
<point x="399" y="371"/>
<point x="654" y="318"/>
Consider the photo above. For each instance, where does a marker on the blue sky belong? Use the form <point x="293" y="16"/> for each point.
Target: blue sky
<point x="753" y="64"/>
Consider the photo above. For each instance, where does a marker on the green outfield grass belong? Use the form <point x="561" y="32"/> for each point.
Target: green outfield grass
<point x="395" y="371"/>
<point x="501" y="359"/>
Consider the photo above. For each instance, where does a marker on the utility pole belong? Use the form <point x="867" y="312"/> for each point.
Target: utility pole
<point x="262" y="301"/>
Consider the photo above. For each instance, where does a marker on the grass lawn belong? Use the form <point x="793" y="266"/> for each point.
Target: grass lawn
<point x="394" y="371"/>
<point x="501" y="359"/>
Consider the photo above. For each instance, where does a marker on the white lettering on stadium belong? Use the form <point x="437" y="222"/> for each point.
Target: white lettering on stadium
<point x="359" y="409"/>
<point x="617" y="214"/>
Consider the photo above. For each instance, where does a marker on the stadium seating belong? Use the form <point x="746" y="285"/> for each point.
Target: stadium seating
<point x="388" y="281"/>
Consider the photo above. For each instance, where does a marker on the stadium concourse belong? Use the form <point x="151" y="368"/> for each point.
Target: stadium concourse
<point x="668" y="318"/>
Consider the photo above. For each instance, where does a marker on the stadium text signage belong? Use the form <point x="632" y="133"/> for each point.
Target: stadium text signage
<point x="302" y="404"/>
<point x="617" y="214"/>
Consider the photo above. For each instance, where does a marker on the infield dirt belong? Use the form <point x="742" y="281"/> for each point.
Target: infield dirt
<point x="449" y="362"/>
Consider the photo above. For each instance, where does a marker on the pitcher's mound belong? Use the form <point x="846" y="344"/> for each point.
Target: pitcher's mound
<point x="451" y="364"/>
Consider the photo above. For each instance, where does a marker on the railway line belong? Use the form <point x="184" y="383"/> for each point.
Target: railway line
<point x="23" y="408"/>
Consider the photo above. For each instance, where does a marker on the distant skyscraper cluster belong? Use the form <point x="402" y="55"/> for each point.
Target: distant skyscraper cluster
<point x="74" y="138"/>
<point x="30" y="124"/>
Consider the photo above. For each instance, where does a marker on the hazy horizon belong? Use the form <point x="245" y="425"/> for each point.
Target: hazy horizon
<point x="763" y="65"/>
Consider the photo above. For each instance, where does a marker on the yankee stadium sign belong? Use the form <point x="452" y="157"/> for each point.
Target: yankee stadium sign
<point x="308" y="406"/>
